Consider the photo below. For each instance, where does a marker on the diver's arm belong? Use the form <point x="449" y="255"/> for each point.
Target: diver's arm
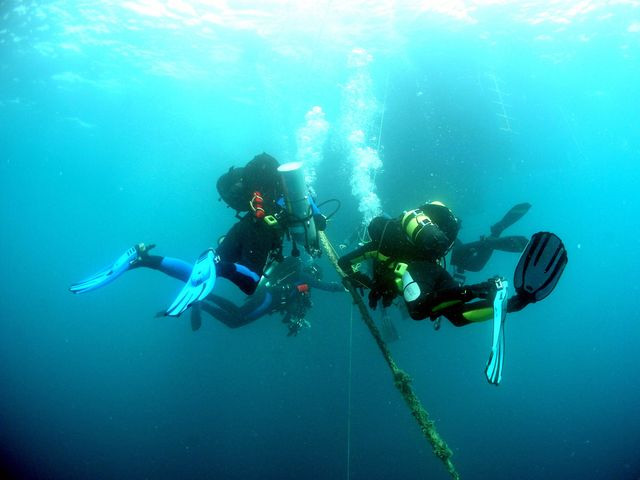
<point x="312" y="281"/>
<point x="329" y="286"/>
<point x="346" y="263"/>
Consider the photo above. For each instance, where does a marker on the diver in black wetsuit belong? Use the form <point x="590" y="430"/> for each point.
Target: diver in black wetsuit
<point x="285" y="288"/>
<point x="407" y="253"/>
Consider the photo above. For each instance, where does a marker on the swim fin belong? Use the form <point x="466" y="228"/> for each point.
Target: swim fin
<point x="540" y="267"/>
<point x="200" y="283"/>
<point x="511" y="217"/>
<point x="493" y="370"/>
<point x="109" y="274"/>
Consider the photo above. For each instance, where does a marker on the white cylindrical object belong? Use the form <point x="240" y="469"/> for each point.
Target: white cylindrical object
<point x="301" y="224"/>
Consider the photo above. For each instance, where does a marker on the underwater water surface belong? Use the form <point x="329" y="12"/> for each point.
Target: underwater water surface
<point x="117" y="118"/>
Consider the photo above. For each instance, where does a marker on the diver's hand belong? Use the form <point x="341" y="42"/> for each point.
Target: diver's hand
<point x="374" y="297"/>
<point x="380" y="291"/>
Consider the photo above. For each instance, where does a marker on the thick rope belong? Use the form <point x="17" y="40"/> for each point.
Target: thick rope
<point x="401" y="379"/>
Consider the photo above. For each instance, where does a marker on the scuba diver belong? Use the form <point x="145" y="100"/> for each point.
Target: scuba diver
<point x="472" y="256"/>
<point x="408" y="252"/>
<point x="259" y="189"/>
<point x="284" y="288"/>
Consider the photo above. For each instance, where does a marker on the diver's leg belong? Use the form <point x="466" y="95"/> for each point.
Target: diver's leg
<point x="430" y="292"/>
<point x="232" y="315"/>
<point x="174" y="267"/>
<point x="229" y="317"/>
<point x="245" y="279"/>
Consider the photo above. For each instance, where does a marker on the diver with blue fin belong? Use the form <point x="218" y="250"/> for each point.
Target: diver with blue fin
<point x="295" y="215"/>
<point x="408" y="254"/>
<point x="272" y="211"/>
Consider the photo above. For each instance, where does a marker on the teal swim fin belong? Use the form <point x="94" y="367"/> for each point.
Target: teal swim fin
<point x="540" y="267"/>
<point x="493" y="370"/>
<point x="200" y="283"/>
<point x="109" y="274"/>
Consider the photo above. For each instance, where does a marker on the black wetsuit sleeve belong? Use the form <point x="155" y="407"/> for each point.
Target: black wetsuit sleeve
<point x="347" y="261"/>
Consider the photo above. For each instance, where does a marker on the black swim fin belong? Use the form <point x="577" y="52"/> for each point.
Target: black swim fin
<point x="511" y="217"/>
<point x="540" y="267"/>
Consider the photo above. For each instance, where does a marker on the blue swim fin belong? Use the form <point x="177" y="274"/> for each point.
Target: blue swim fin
<point x="109" y="274"/>
<point x="493" y="370"/>
<point x="200" y="283"/>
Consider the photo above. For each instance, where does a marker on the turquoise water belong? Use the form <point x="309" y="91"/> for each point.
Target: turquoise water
<point x="116" y="119"/>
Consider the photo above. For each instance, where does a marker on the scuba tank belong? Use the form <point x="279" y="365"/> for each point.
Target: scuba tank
<point x="298" y="204"/>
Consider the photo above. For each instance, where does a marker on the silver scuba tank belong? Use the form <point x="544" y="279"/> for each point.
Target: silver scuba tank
<point x="301" y="224"/>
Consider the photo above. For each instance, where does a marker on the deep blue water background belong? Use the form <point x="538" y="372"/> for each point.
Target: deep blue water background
<point x="116" y="120"/>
